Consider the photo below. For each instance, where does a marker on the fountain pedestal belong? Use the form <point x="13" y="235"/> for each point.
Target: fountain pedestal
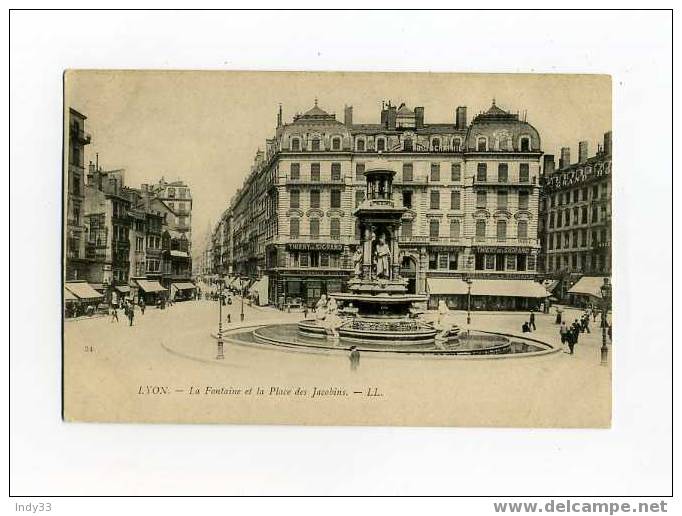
<point x="377" y="308"/>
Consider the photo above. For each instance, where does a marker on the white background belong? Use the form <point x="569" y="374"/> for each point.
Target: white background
<point x="49" y="457"/>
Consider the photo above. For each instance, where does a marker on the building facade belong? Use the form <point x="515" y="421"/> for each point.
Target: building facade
<point x="575" y="214"/>
<point x="75" y="261"/>
<point x="471" y="190"/>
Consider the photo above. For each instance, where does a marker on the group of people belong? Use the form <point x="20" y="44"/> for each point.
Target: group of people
<point x="529" y="325"/>
<point x="128" y="308"/>
<point x="571" y="334"/>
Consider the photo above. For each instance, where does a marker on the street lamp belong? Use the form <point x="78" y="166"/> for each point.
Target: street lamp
<point x="468" y="282"/>
<point x="241" y="287"/>
<point x="221" y="284"/>
<point x="606" y="298"/>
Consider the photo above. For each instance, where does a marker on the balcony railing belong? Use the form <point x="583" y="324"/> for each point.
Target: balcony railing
<point x="312" y="181"/>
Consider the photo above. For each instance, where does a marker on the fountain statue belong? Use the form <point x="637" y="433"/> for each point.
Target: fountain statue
<point x="377" y="309"/>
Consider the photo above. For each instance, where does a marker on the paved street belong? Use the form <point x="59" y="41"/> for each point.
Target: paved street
<point x="114" y="372"/>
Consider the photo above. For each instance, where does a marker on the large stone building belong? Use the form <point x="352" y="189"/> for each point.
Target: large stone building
<point x="75" y="260"/>
<point x="471" y="190"/>
<point x="575" y="214"/>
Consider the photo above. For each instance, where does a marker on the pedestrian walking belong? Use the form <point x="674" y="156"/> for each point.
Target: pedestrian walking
<point x="131" y="314"/>
<point x="531" y="321"/>
<point x="114" y="314"/>
<point x="142" y="306"/>
<point x="563" y="332"/>
<point x="354" y="358"/>
<point x="558" y="316"/>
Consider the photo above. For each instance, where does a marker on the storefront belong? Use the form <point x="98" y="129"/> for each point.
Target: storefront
<point x="87" y="299"/>
<point x="586" y="291"/>
<point x="487" y="294"/>
<point x="151" y="291"/>
<point x="182" y="290"/>
<point x="119" y="293"/>
<point x="258" y="293"/>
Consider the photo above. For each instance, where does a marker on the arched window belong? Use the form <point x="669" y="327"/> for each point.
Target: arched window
<point x="522" y="229"/>
<point x="360" y="145"/>
<point x="336" y="143"/>
<point x="381" y="144"/>
<point x="480" y="229"/>
<point x="335" y="228"/>
<point x="482" y="144"/>
<point x="314" y="228"/>
<point x="456" y="144"/>
<point x="294" y="228"/>
<point x="315" y="144"/>
<point x="525" y="144"/>
<point x="435" y="144"/>
<point x="501" y="230"/>
<point x="295" y="144"/>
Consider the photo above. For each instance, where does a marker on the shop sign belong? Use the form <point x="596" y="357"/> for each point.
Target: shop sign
<point x="445" y="248"/>
<point x="314" y="246"/>
<point x="502" y="250"/>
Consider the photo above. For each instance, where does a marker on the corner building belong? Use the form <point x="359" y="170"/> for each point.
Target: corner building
<point x="471" y="193"/>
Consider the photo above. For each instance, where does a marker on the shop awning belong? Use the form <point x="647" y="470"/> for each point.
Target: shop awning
<point x="588" y="286"/>
<point x="123" y="289"/>
<point x="68" y="296"/>
<point x="260" y="287"/>
<point x="508" y="288"/>
<point x="150" y="286"/>
<point x="231" y="282"/>
<point x="83" y="291"/>
<point x="501" y="287"/>
<point x="184" y="286"/>
<point x="446" y="286"/>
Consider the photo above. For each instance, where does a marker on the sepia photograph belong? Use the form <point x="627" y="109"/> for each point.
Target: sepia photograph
<point x="338" y="248"/>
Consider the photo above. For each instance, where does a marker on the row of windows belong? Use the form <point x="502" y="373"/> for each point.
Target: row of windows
<point x="482" y="144"/>
<point x="502" y="199"/>
<point x="575" y="239"/>
<point x="576" y="216"/>
<point x="481" y="229"/>
<point x="502" y="173"/>
<point x="314" y="225"/>
<point x="408" y="172"/>
<point x="181" y="192"/>
<point x="334" y="201"/>
<point x="577" y="261"/>
<point x="577" y="195"/>
<point x="504" y="262"/>
<point x="314" y="259"/>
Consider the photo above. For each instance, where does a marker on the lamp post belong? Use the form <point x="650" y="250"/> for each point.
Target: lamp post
<point x="468" y="282"/>
<point x="606" y="298"/>
<point x="221" y="284"/>
<point x="241" y="288"/>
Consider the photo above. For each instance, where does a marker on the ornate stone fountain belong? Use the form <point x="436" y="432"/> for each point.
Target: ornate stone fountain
<point x="377" y="308"/>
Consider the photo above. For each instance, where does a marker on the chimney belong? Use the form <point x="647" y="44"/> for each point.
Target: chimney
<point x="565" y="157"/>
<point x="391" y="115"/>
<point x="419" y="117"/>
<point x="608" y="143"/>
<point x="461" y="117"/>
<point x="582" y="152"/>
<point x="548" y="165"/>
<point x="348" y="116"/>
<point x="279" y="116"/>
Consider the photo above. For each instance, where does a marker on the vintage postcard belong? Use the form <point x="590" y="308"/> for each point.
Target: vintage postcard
<point x="337" y="248"/>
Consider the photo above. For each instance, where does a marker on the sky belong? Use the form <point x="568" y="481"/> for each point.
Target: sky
<point x="204" y="127"/>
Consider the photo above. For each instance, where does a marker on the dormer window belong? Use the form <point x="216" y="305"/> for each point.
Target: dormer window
<point x="456" y="144"/>
<point x="381" y="144"/>
<point x="315" y="144"/>
<point x="361" y="145"/>
<point x="295" y="144"/>
<point x="435" y="144"/>
<point x="407" y="144"/>
<point x="525" y="144"/>
<point x="482" y="144"/>
<point x="336" y="143"/>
